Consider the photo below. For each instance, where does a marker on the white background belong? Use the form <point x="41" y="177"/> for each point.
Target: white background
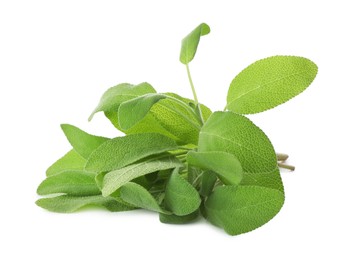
<point x="58" y="57"/>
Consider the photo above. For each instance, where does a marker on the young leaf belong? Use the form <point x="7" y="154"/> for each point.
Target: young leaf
<point x="174" y="219"/>
<point x="138" y="196"/>
<point x="269" y="82"/>
<point x="242" y="209"/>
<point x="70" y="161"/>
<point x="225" y="165"/>
<point x="134" y="110"/>
<point x="235" y="134"/>
<point x="181" y="197"/>
<point x="190" y="43"/>
<point x="68" y="204"/>
<point x="121" y="151"/>
<point x="82" y="142"/>
<point x="77" y="183"/>
<point x="115" y="179"/>
<point x="113" y="97"/>
<point x="270" y="179"/>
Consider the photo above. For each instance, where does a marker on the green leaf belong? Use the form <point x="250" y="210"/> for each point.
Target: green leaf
<point x="70" y="161"/>
<point x="235" y="134"/>
<point x="68" y="204"/>
<point x="270" y="179"/>
<point x="134" y="110"/>
<point x="115" y="179"/>
<point x="269" y="82"/>
<point x="190" y="43"/>
<point x="113" y="97"/>
<point x="208" y="182"/>
<point x="225" y="165"/>
<point x="174" y="219"/>
<point x="82" y="142"/>
<point x="121" y="151"/>
<point x="181" y="197"/>
<point x="138" y="196"/>
<point x="77" y="183"/>
<point x="242" y="209"/>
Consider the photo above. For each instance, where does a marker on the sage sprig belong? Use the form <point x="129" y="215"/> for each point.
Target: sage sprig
<point x="178" y="158"/>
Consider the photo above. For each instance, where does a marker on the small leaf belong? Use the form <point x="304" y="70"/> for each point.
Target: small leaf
<point x="174" y="219"/>
<point x="121" y="151"/>
<point x="68" y="204"/>
<point x="242" y="209"/>
<point x="134" y="110"/>
<point x="69" y="162"/>
<point x="115" y="179"/>
<point x="269" y="82"/>
<point x="208" y="182"/>
<point x="190" y="43"/>
<point x="77" y="183"/>
<point x="225" y="165"/>
<point x="181" y="197"/>
<point x="235" y="134"/>
<point x="113" y="97"/>
<point x="82" y="142"/>
<point x="138" y="196"/>
<point x="270" y="179"/>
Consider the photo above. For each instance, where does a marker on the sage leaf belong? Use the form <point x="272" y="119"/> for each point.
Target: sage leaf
<point x="113" y="97"/>
<point x="138" y="196"/>
<point x="82" y="142"/>
<point x="174" y="219"/>
<point x="121" y="151"/>
<point x="181" y="197"/>
<point x="208" y="182"/>
<point x="70" y="161"/>
<point x="235" y="134"/>
<point x="270" y="179"/>
<point x="115" y="179"/>
<point x="68" y="204"/>
<point x="77" y="183"/>
<point x="243" y="208"/>
<point x="190" y="43"/>
<point x="269" y="82"/>
<point x="225" y="165"/>
<point x="134" y="110"/>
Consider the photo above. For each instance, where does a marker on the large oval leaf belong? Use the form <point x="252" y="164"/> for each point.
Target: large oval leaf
<point x="269" y="82"/>
<point x="70" y="161"/>
<point x="121" y="151"/>
<point x="242" y="209"/>
<point x="190" y="43"/>
<point x="235" y="134"/>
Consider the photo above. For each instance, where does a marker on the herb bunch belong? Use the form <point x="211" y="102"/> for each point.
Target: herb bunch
<point x="178" y="158"/>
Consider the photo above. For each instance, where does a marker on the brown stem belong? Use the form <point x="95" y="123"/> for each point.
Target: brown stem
<point x="286" y="166"/>
<point x="282" y="157"/>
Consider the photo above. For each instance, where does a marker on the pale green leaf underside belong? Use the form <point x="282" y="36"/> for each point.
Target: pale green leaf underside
<point x="190" y="43"/>
<point x="138" y="196"/>
<point x="115" y="179"/>
<point x="134" y="110"/>
<point x="121" y="151"/>
<point x="68" y="204"/>
<point x="235" y="134"/>
<point x="77" y="183"/>
<point x="181" y="197"/>
<point x="225" y="165"/>
<point x="69" y="162"/>
<point x="113" y="97"/>
<point x="242" y="209"/>
<point x="269" y="82"/>
<point x="82" y="142"/>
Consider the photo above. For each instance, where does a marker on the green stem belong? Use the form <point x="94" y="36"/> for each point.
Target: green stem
<point x="194" y="94"/>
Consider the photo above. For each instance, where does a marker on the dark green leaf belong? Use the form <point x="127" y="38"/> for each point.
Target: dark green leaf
<point x="174" y="219"/>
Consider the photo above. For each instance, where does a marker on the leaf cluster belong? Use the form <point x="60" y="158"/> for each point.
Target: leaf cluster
<point x="178" y="158"/>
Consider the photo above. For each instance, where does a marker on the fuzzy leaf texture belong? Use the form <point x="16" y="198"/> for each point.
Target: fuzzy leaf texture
<point x="269" y="82"/>
<point x="70" y="161"/>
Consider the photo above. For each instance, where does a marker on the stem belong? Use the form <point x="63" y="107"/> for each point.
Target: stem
<point x="286" y="166"/>
<point x="282" y="157"/>
<point x="194" y="93"/>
